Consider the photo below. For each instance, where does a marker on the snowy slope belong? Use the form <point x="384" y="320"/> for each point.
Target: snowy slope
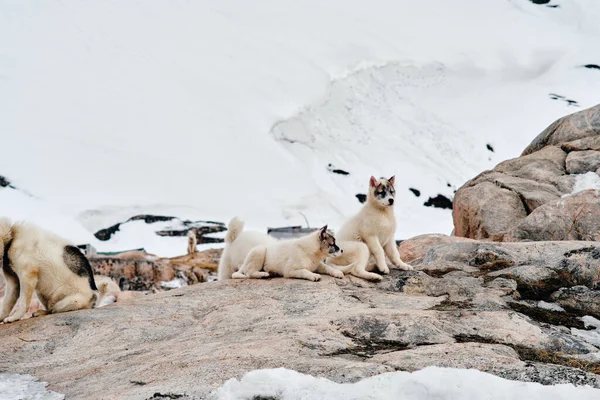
<point x="426" y="384"/>
<point x="209" y="109"/>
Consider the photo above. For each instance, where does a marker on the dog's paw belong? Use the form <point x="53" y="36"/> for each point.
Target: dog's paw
<point x="8" y="320"/>
<point x="376" y="278"/>
<point x="337" y="274"/>
<point x="406" y="267"/>
<point x="315" y="277"/>
<point x="238" y="275"/>
<point x="385" y="270"/>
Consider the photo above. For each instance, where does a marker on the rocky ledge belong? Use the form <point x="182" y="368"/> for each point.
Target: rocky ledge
<point x="511" y="309"/>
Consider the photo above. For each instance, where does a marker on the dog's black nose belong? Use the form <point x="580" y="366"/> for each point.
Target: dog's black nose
<point x="341" y="251"/>
<point x="391" y="201"/>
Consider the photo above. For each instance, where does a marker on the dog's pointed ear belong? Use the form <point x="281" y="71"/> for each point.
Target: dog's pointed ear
<point x="322" y="232"/>
<point x="373" y="181"/>
<point x="392" y="180"/>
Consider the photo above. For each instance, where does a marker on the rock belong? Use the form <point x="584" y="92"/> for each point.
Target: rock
<point x="416" y="247"/>
<point x="579" y="300"/>
<point x="574" y="217"/>
<point x="575" y="126"/>
<point x="474" y="315"/>
<point x="580" y="162"/>
<point x="486" y="211"/>
<point x="524" y="199"/>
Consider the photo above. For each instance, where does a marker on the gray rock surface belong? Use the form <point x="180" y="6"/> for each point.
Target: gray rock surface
<point x="462" y="307"/>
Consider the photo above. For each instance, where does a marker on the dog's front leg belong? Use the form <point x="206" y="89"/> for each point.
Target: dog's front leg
<point x="70" y="303"/>
<point x="392" y="252"/>
<point x="302" y="274"/>
<point x="28" y="280"/>
<point x="326" y="269"/>
<point x="377" y="251"/>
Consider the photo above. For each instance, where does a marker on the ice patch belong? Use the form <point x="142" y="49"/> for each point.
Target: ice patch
<point x="25" y="387"/>
<point x="429" y="383"/>
<point x="175" y="283"/>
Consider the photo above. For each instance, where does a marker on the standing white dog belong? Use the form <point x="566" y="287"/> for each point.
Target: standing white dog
<point x="238" y="244"/>
<point x="375" y="226"/>
<point x="294" y="258"/>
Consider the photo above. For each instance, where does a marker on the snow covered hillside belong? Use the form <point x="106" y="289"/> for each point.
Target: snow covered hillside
<point x="209" y="109"/>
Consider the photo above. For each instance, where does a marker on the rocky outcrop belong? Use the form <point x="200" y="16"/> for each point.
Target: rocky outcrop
<point x="468" y="304"/>
<point x="523" y="199"/>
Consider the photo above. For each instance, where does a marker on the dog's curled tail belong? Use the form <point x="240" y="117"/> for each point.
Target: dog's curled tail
<point x="234" y="228"/>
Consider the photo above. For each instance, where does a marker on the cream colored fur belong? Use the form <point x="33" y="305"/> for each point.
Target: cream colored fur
<point x="238" y="244"/>
<point x="353" y="260"/>
<point x="36" y="264"/>
<point x="191" y="249"/>
<point x="295" y="258"/>
<point x="375" y="226"/>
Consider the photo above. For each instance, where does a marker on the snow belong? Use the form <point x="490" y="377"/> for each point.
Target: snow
<point x="589" y="180"/>
<point x="550" y="306"/>
<point x="204" y="110"/>
<point x="25" y="387"/>
<point x="590" y="336"/>
<point x="429" y="383"/>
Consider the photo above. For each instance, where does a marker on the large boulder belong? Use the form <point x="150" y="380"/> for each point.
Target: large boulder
<point x="523" y="198"/>
<point x="464" y="306"/>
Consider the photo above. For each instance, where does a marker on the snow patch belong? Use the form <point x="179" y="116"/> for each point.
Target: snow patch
<point x="429" y="383"/>
<point x="592" y="336"/>
<point x="550" y="306"/>
<point x="25" y="387"/>
<point x="589" y="180"/>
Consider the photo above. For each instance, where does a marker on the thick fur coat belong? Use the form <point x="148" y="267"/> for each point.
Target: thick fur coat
<point x="296" y="258"/>
<point x="35" y="260"/>
<point x="375" y="226"/>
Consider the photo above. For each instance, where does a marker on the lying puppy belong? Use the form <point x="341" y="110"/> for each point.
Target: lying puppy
<point x="375" y="226"/>
<point x="295" y="258"/>
<point x="36" y="260"/>
<point x="238" y="244"/>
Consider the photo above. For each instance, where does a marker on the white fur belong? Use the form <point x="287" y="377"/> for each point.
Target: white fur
<point x="238" y="244"/>
<point x="295" y="258"/>
<point x="191" y="249"/>
<point x="36" y="264"/>
<point x="375" y="226"/>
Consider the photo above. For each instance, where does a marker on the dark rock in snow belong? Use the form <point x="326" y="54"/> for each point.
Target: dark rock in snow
<point x="439" y="201"/>
<point x="489" y="147"/>
<point x="416" y="192"/>
<point x="592" y="66"/>
<point x="361" y="197"/>
<point x="338" y="171"/>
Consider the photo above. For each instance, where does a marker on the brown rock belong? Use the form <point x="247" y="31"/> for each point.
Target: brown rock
<point x="486" y="211"/>
<point x="574" y="217"/>
<point x="580" y="162"/>
<point x="573" y="127"/>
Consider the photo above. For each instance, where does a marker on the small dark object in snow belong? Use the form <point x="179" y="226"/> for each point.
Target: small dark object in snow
<point x="569" y="102"/>
<point x="553" y="6"/>
<point x="592" y="66"/>
<point x="540" y="1"/>
<point x="140" y="383"/>
<point x="448" y="184"/>
<point x="489" y="147"/>
<point x="416" y="192"/>
<point x="4" y="182"/>
<point x="439" y="201"/>
<point x="331" y="168"/>
<point x="361" y="197"/>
